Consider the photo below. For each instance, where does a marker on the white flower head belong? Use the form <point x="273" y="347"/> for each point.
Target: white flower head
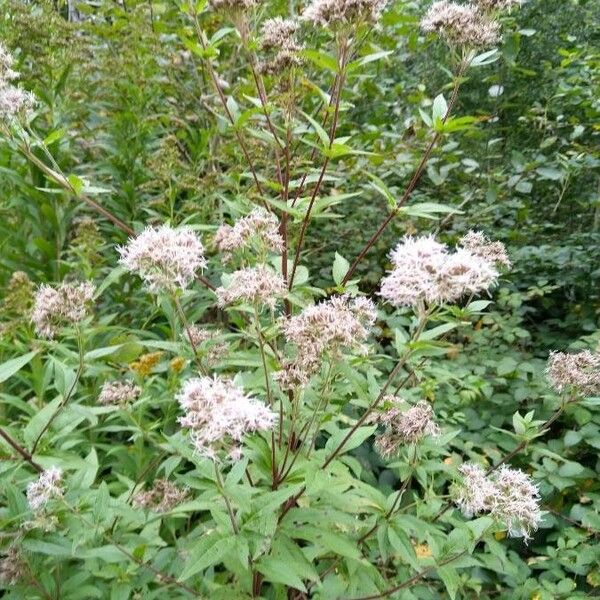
<point x="507" y="494"/>
<point x="259" y="225"/>
<point x="461" y="24"/>
<point x="255" y="285"/>
<point x="65" y="305"/>
<point x="47" y="486"/>
<point x="325" y="328"/>
<point x="342" y="13"/>
<point x="217" y="412"/>
<point x="114" y="393"/>
<point x="164" y="257"/>
<point x="579" y="371"/>
<point x="426" y="272"/>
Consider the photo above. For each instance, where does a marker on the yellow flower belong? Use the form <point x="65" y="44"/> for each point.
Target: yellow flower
<point x="177" y="364"/>
<point x="144" y="364"/>
<point x="500" y="535"/>
<point x="422" y="550"/>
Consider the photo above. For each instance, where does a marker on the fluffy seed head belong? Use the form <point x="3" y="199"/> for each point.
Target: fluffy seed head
<point x="326" y="328"/>
<point x="341" y="13"/>
<point x="255" y="285"/>
<point x="579" y="372"/>
<point x="461" y="24"/>
<point x="162" y="497"/>
<point x="47" y="486"/>
<point x="56" y="307"/>
<point x="165" y="258"/>
<point x="424" y="271"/>
<point x="217" y="413"/>
<point x="260" y="226"/>
<point x="508" y="495"/>
<point x="118" y="393"/>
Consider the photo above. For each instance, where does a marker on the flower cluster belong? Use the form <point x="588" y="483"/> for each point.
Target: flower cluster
<point x="508" y="495"/>
<point x="12" y="566"/>
<point x="232" y="6"/>
<point x="255" y="285"/>
<point x="461" y="24"/>
<point x="165" y="258"/>
<point x="277" y="36"/>
<point x="341" y="13"/>
<point x="424" y="271"/>
<point x="47" y="486"/>
<point x="325" y="328"/>
<point x="206" y="342"/>
<point x="404" y="425"/>
<point x="56" y="307"/>
<point x="217" y="411"/>
<point x="580" y="372"/>
<point x="14" y="101"/>
<point x="118" y="393"/>
<point x="477" y="243"/>
<point x="162" y="497"/>
<point x="494" y="5"/>
<point x="259" y="225"/>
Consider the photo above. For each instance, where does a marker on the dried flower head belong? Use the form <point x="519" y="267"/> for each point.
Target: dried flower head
<point x="12" y="566"/>
<point x="165" y="258"/>
<point x="47" y="486"/>
<point x="508" y="495"/>
<point x="578" y="372"/>
<point x="424" y="271"/>
<point x="477" y="243"/>
<point x="18" y="298"/>
<point x="56" y="307"/>
<point x="403" y="425"/>
<point x="162" y="497"/>
<point x="324" y="329"/>
<point x="218" y="412"/>
<point x="118" y="393"/>
<point x="341" y="13"/>
<point x="255" y="285"/>
<point x="461" y="24"/>
<point x="260" y="226"/>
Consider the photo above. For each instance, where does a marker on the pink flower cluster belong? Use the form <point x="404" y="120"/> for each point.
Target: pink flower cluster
<point x="254" y="285"/>
<point x="508" y="495"/>
<point x="324" y="329"/>
<point x="56" y="307"/>
<point x="14" y="102"/>
<point x="162" y="497"/>
<point x="342" y="13"/>
<point x="165" y="258"/>
<point x="404" y="425"/>
<point x="259" y="225"/>
<point x="579" y="372"/>
<point x="114" y="393"/>
<point x="218" y="412"/>
<point x="426" y="272"/>
<point x="47" y="486"/>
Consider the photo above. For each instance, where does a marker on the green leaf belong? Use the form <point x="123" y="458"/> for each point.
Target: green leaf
<point x="10" y="367"/>
<point x="278" y="570"/>
<point x="323" y="135"/>
<point x="207" y="552"/>
<point x="340" y="268"/>
<point x="451" y="580"/>
<point x="355" y="440"/>
<point x="439" y="108"/>
<point x="38" y="421"/>
<point x="435" y="332"/>
<point x="321" y="59"/>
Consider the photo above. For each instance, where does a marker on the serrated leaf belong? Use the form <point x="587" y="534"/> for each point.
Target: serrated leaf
<point x="208" y="551"/>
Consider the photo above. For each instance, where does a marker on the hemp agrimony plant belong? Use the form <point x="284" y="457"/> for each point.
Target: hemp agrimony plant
<point x="211" y="443"/>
